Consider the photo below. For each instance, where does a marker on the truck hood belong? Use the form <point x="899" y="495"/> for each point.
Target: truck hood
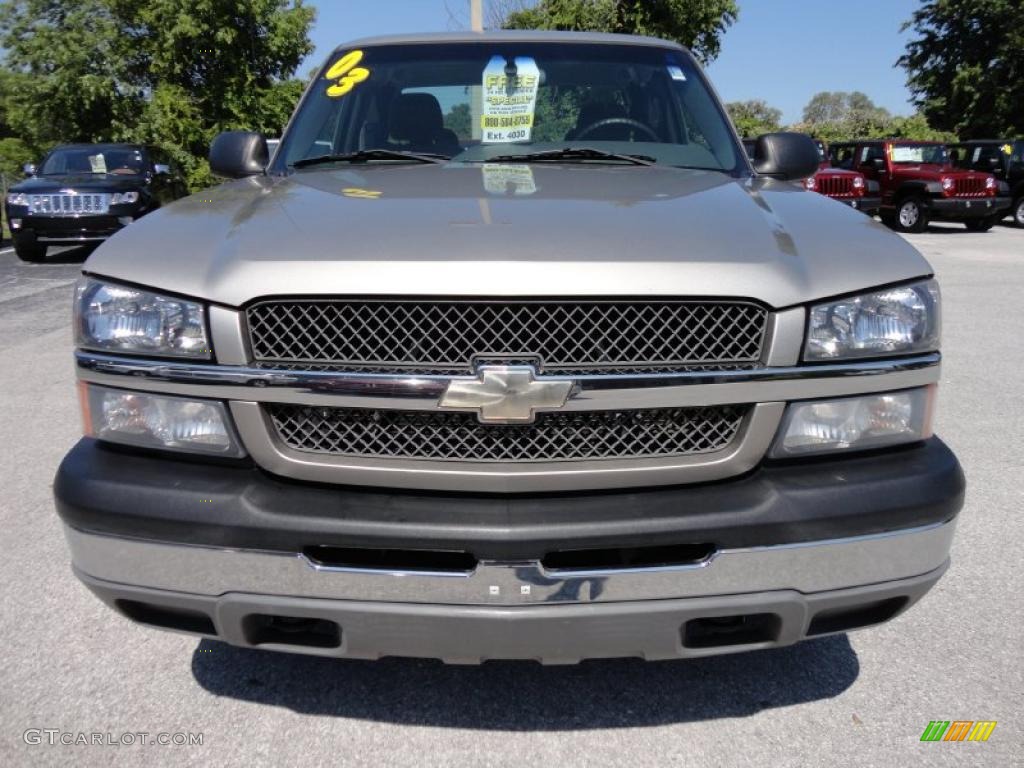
<point x="507" y="230"/>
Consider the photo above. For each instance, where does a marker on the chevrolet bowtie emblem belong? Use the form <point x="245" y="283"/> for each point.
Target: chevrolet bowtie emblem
<point x="507" y="394"/>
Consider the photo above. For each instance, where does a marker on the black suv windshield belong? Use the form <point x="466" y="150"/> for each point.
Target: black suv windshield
<point x="127" y="161"/>
<point x="477" y="101"/>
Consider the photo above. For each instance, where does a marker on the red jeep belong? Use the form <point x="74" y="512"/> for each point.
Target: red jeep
<point x="919" y="184"/>
<point x="846" y="186"/>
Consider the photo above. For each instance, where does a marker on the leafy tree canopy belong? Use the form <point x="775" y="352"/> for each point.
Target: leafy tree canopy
<point x="752" y="118"/>
<point x="167" y="72"/>
<point x="965" y="66"/>
<point x="697" y="24"/>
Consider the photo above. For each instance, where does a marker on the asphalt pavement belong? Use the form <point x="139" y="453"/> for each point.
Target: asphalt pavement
<point x="72" y="666"/>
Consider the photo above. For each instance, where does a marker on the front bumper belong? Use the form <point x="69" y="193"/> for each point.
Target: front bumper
<point x="868" y="205"/>
<point x="795" y="551"/>
<point x="60" y="230"/>
<point x="974" y="208"/>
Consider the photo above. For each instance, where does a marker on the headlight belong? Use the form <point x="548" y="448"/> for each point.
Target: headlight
<point x="17" y="198"/>
<point x="948" y="184"/>
<point x="116" y="318"/>
<point x="990" y="182"/>
<point x="894" y="321"/>
<point x="855" y="423"/>
<point x="858" y="182"/>
<point x="810" y="183"/>
<point x="159" y="421"/>
<point x="120" y="198"/>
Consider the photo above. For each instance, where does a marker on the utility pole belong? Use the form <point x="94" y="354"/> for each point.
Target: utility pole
<point x="476" y="15"/>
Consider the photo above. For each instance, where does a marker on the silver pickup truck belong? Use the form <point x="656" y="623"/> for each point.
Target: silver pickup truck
<point x="509" y="352"/>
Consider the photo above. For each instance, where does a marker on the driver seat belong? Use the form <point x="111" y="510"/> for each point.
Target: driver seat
<point x="417" y="123"/>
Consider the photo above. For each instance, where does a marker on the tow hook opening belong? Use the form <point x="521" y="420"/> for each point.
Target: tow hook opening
<point x="437" y="561"/>
<point x="744" y="629"/>
<point x="664" y="556"/>
<point x="165" y="617"/>
<point x="268" y="629"/>
<point x="856" y="616"/>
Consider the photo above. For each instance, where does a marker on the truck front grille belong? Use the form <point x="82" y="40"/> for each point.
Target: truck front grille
<point x="453" y="436"/>
<point x="66" y="204"/>
<point x="970" y="187"/>
<point x="450" y="337"/>
<point x="835" y="186"/>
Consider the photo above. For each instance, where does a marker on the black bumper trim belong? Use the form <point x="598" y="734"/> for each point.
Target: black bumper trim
<point x="868" y="205"/>
<point x="99" y="490"/>
<point x="973" y="208"/>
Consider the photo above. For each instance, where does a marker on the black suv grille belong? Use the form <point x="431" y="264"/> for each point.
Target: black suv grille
<point x="455" y="436"/>
<point x="449" y="337"/>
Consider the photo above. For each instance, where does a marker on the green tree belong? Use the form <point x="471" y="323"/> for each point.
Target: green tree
<point x="843" y="107"/>
<point x="752" y="118"/>
<point x="965" y="66"/>
<point x="697" y="24"/>
<point x="460" y="120"/>
<point x="167" y="72"/>
<point x="839" y="115"/>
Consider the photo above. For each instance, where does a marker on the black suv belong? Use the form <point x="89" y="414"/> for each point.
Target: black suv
<point x="1003" y="158"/>
<point x="83" y="193"/>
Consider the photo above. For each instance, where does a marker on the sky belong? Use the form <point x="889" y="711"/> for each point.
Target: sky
<point x="782" y="51"/>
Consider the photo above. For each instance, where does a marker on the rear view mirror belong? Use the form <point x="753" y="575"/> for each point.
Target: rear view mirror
<point x="785" y="156"/>
<point x="235" y="154"/>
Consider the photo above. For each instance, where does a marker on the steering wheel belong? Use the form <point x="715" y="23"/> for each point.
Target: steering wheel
<point x="598" y="124"/>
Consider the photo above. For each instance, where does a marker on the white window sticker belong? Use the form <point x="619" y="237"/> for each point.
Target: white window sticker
<point x="908" y="154"/>
<point x="98" y="163"/>
<point x="676" y="73"/>
<point x="510" y="100"/>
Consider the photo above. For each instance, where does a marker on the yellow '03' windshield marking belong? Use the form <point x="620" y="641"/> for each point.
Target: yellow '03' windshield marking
<point x="346" y="74"/>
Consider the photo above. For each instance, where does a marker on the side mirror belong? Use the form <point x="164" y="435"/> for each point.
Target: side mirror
<point x="235" y="154"/>
<point x="785" y="156"/>
<point x="160" y="169"/>
<point x="29" y="169"/>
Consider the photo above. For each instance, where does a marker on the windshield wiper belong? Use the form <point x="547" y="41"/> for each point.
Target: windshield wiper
<point x="366" y="155"/>
<point x="572" y="153"/>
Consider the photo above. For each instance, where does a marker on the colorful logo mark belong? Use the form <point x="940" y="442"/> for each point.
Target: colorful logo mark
<point x="958" y="730"/>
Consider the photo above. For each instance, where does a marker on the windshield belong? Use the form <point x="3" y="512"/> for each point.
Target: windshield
<point x="130" y="161"/>
<point x="917" y="154"/>
<point x="476" y="101"/>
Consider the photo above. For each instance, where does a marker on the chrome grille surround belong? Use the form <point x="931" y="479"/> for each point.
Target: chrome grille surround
<point x="460" y="437"/>
<point x="558" y="337"/>
<point x="70" y="204"/>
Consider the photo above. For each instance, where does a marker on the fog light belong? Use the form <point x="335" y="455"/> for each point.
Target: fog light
<point x="855" y="423"/>
<point x="15" y="223"/>
<point x="158" y="421"/>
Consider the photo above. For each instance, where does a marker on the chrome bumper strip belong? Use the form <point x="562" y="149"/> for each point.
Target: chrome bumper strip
<point x="592" y="392"/>
<point x="806" y="567"/>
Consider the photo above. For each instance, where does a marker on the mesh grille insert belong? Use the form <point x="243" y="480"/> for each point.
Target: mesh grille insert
<point x="560" y="336"/>
<point x="454" y="436"/>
